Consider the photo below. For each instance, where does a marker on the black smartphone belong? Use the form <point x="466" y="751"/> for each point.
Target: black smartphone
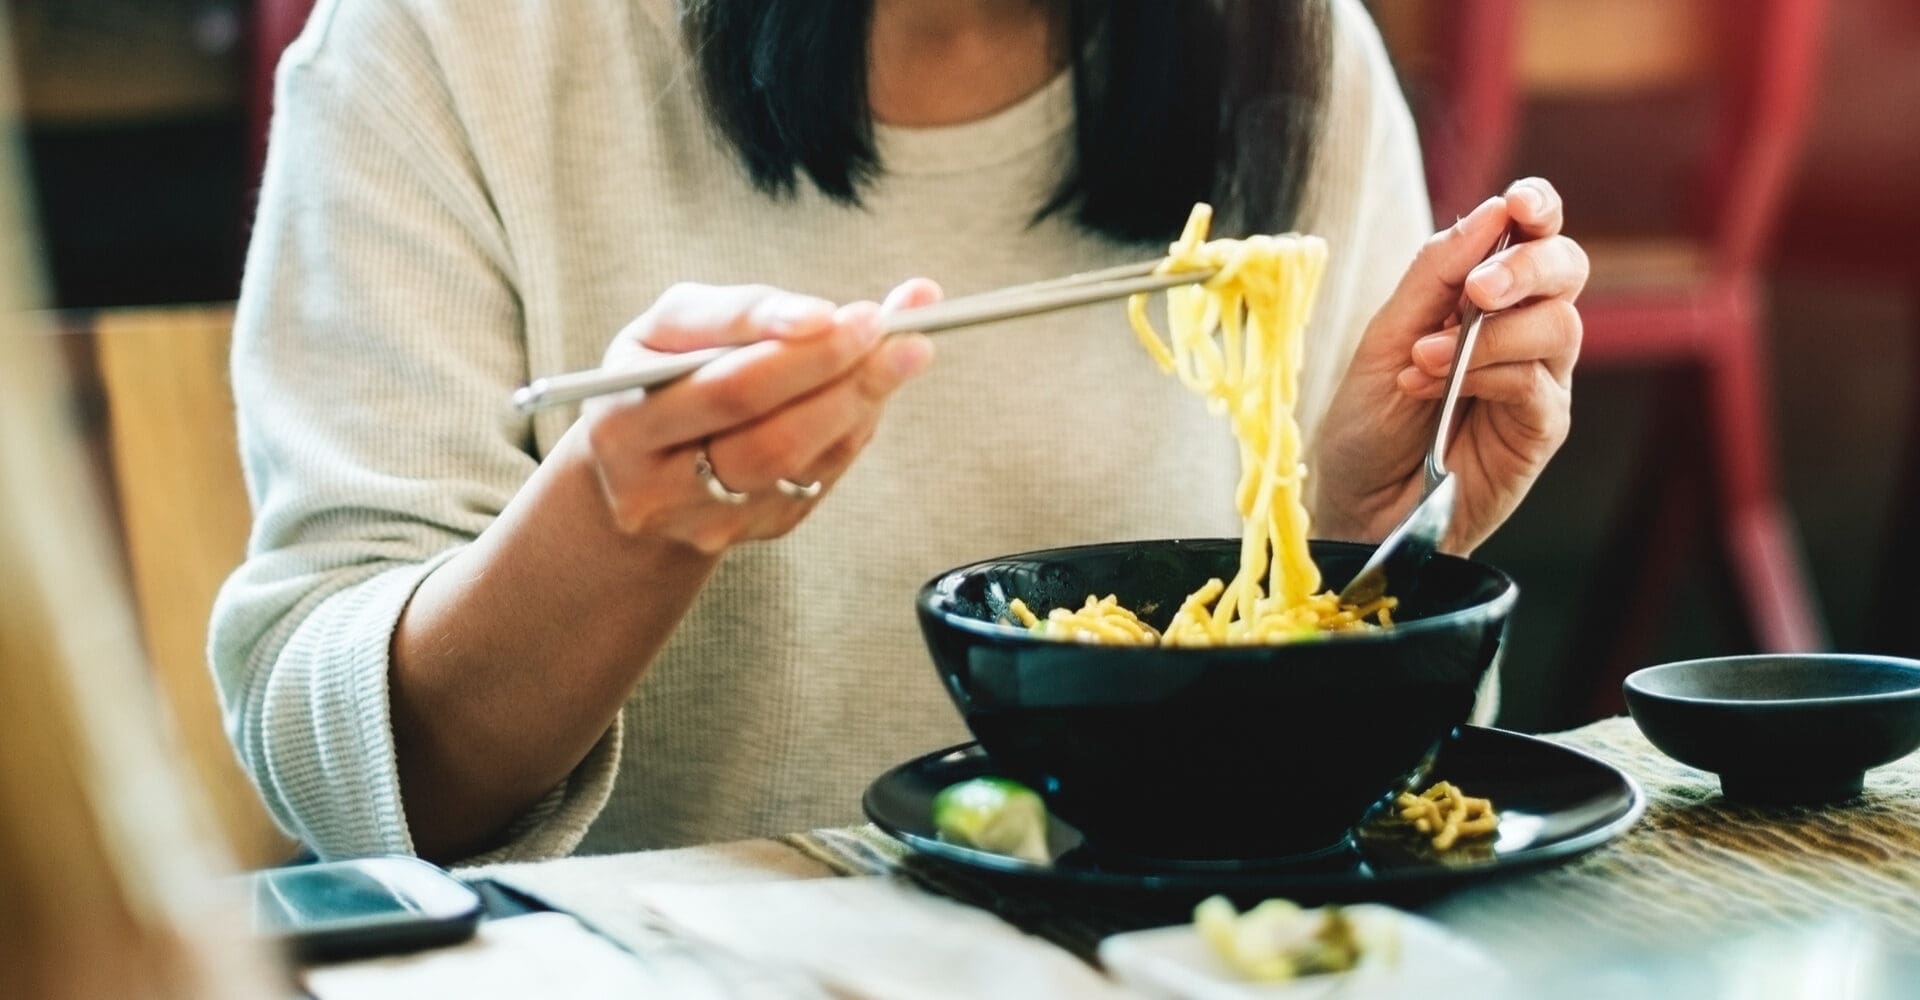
<point x="363" y="907"/>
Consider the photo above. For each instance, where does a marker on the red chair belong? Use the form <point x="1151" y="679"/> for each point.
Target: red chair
<point x="275" y="24"/>
<point x="1853" y="222"/>
<point x="1690" y="305"/>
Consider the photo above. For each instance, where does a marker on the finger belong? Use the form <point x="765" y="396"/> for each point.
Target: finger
<point x="912" y="294"/>
<point x="1548" y="331"/>
<point x="838" y="457"/>
<point x="708" y="524"/>
<point x="1554" y="266"/>
<point x="1529" y="400"/>
<point x="753" y="381"/>
<point x="827" y="471"/>
<point x="835" y="462"/>
<point x="1430" y="290"/>
<point x="688" y="317"/>
<point x="1516" y="382"/>
<point x="787" y="443"/>
<point x="1535" y="207"/>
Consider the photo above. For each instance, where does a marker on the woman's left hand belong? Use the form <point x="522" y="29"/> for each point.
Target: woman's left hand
<point x="1373" y="442"/>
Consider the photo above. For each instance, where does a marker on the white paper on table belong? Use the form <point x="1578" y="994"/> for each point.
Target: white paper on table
<point x="874" y="937"/>
<point x="547" y="955"/>
<point x="1173" y="963"/>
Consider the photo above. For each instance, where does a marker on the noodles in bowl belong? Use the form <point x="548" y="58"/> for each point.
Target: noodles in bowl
<point x="1192" y="724"/>
<point x="1247" y="750"/>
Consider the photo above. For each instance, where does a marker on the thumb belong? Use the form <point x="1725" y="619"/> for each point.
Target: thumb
<point x="1429" y="293"/>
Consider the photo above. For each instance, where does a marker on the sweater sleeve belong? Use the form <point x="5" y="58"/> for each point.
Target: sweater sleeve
<point x="377" y="340"/>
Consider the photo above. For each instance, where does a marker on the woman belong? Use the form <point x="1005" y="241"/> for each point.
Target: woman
<point x="466" y="634"/>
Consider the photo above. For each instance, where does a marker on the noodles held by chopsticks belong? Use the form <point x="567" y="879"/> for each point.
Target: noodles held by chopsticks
<point x="1238" y="340"/>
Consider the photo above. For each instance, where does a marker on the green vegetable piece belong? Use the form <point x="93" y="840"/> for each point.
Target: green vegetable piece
<point x="993" y="814"/>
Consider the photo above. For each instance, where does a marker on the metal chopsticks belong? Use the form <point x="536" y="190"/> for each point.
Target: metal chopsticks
<point x="971" y="310"/>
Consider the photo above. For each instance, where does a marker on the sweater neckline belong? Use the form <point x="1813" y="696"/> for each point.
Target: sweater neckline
<point x="1029" y="123"/>
<point x="1033" y="121"/>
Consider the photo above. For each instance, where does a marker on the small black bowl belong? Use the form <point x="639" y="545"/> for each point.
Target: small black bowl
<point x="1204" y="754"/>
<point x="1788" y="729"/>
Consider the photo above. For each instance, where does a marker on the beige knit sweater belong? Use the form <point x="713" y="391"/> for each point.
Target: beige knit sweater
<point x="461" y="195"/>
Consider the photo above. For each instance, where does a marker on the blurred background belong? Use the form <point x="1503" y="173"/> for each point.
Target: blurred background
<point x="1743" y="171"/>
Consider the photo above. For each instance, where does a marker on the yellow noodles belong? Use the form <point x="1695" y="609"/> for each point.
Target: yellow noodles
<point x="1102" y="619"/>
<point x="1446" y="814"/>
<point x="1238" y="341"/>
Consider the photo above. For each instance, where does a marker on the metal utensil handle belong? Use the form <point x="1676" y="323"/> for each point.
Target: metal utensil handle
<point x="1470" y="319"/>
<point x="555" y="390"/>
<point x="991" y="307"/>
<point x="987" y="307"/>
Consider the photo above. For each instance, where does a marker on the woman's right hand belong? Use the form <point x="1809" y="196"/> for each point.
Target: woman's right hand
<point x="515" y="655"/>
<point x="797" y="402"/>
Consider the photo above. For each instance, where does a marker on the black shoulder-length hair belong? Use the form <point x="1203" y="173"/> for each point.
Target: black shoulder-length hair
<point x="1176" y="101"/>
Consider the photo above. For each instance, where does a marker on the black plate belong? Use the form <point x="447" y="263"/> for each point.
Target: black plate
<point x="1554" y="803"/>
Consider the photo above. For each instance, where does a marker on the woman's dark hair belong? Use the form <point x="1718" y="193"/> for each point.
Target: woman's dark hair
<point x="1176" y="101"/>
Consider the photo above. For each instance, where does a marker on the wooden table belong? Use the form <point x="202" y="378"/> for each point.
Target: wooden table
<point x="1685" y="900"/>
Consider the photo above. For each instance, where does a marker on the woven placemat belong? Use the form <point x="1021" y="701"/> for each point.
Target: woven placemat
<point x="1700" y="866"/>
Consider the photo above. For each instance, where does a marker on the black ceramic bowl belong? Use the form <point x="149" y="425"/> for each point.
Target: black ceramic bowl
<point x="1239" y="752"/>
<point x="1787" y="729"/>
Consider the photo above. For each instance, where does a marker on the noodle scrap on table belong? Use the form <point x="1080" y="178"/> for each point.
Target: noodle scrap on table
<point x="1237" y="339"/>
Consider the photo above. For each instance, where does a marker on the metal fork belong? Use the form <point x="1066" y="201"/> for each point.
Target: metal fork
<point x="1414" y="540"/>
<point x="986" y="307"/>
